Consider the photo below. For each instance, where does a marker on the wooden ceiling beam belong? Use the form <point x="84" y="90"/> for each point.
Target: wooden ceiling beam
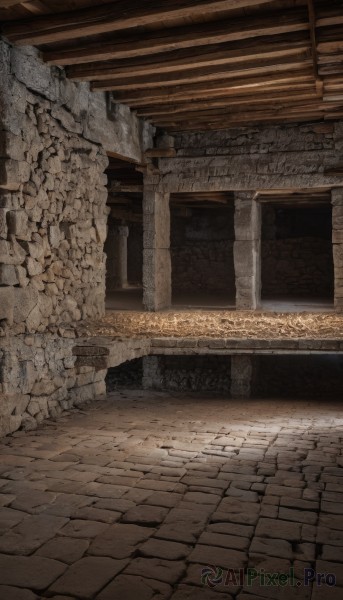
<point x="206" y="74"/>
<point x="114" y="16"/>
<point x="9" y="3"/>
<point x="224" y="54"/>
<point x="236" y="123"/>
<point x="219" y="87"/>
<point x="246" y="114"/>
<point x="189" y="36"/>
<point x="330" y="17"/>
<point x="174" y="109"/>
<point x="312" y="20"/>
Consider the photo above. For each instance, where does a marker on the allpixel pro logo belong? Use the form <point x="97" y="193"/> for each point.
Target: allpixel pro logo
<point x="211" y="576"/>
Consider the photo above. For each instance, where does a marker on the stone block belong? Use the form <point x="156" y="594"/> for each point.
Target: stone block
<point x="9" y="424"/>
<point x="338" y="256"/>
<point x="247" y="218"/>
<point x="337" y="197"/>
<point x="157" y="279"/>
<point x="13" y="404"/>
<point x="18" y="224"/>
<point x="337" y="236"/>
<point x="12" y="146"/>
<point x="34" y="572"/>
<point x="6" y="303"/>
<point x="101" y="230"/>
<point x="246" y="257"/>
<point x="247" y="297"/>
<point x="24" y="302"/>
<point x="9" y="174"/>
<point x="8" y="275"/>
<point x="3" y="223"/>
<point x="55" y="236"/>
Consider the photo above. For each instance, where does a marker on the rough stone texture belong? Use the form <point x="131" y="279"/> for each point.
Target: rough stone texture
<point x="200" y="373"/>
<point x="153" y="377"/>
<point x="267" y="375"/>
<point x="135" y="254"/>
<point x="241" y="376"/>
<point x="337" y="238"/>
<point x="96" y="116"/>
<point x="54" y="135"/>
<point x="270" y="157"/>
<point x="198" y="482"/>
<point x="247" y="251"/>
<point x="117" y="255"/>
<point x="202" y="252"/>
<point x="294" y="268"/>
<point x="297" y="251"/>
<point x="156" y="253"/>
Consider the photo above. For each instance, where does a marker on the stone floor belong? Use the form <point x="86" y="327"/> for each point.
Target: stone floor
<point x="156" y="496"/>
<point x="131" y="298"/>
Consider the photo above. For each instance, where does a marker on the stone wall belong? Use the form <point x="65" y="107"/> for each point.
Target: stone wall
<point x="202" y="252"/>
<point x="337" y="239"/>
<point x="297" y="251"/>
<point x="127" y="375"/>
<point x="297" y="267"/>
<point x="39" y="379"/>
<point x="54" y="135"/>
<point x="187" y="373"/>
<point x="269" y="157"/>
<point x="316" y="376"/>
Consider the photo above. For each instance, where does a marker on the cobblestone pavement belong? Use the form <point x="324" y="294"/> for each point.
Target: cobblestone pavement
<point x="227" y="324"/>
<point x="133" y="498"/>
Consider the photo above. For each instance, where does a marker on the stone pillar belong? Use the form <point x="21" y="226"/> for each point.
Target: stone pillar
<point x="241" y="375"/>
<point x="337" y="241"/>
<point x="247" y="251"/>
<point x="156" y="254"/>
<point x="116" y="263"/>
<point x="152" y="373"/>
<point x="120" y="242"/>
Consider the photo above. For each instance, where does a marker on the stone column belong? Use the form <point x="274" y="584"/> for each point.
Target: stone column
<point x="152" y="373"/>
<point x="116" y="264"/>
<point x="337" y="241"/>
<point x="241" y="375"/>
<point x="247" y="251"/>
<point x="120" y="242"/>
<point x="156" y="254"/>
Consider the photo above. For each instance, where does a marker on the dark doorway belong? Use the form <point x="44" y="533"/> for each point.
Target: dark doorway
<point x="124" y="243"/>
<point x="202" y="238"/>
<point x="297" y="261"/>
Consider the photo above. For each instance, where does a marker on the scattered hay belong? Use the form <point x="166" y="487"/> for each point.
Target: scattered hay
<point x="218" y="324"/>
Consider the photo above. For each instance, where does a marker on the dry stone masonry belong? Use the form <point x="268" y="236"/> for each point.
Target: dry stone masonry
<point x="54" y="136"/>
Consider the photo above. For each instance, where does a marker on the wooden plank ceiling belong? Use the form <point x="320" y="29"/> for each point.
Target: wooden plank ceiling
<point x="195" y="65"/>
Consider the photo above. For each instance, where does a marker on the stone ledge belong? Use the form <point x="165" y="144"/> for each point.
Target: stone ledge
<point x="121" y="350"/>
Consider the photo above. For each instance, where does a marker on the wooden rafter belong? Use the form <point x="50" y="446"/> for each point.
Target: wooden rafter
<point x="209" y="74"/>
<point x="194" y="65"/>
<point x="242" y="56"/>
<point x="123" y="14"/>
<point x="220" y="87"/>
<point x="312" y="19"/>
<point x="189" y="36"/>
